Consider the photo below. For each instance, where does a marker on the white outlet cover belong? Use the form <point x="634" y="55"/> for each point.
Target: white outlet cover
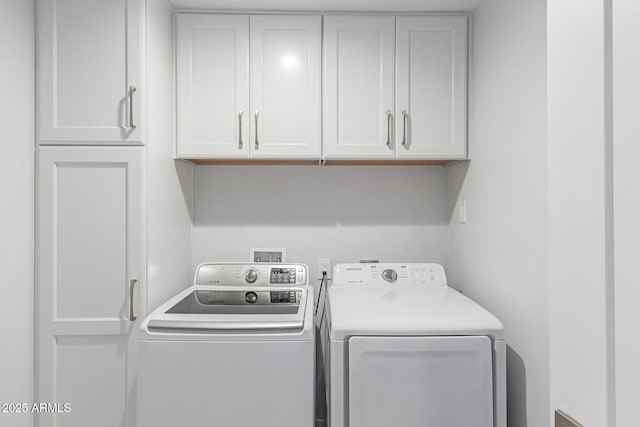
<point x="462" y="211"/>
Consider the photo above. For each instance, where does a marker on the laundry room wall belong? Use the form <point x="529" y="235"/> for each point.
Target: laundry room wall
<point x="17" y="50"/>
<point x="499" y="256"/>
<point x="580" y="177"/>
<point x="169" y="182"/>
<point x="626" y="195"/>
<point x="388" y="213"/>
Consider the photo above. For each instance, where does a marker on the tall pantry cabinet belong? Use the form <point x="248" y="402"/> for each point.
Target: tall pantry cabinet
<point x="89" y="226"/>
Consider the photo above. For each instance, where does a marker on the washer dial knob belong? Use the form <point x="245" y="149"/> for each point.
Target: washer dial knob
<point x="390" y="275"/>
<point x="251" y="276"/>
<point x="251" y="297"/>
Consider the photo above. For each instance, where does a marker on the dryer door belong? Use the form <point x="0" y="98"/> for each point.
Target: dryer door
<point x="420" y="381"/>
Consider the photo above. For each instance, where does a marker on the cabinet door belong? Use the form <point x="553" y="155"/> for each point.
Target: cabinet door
<point x="358" y="87"/>
<point x="88" y="262"/>
<point x="89" y="65"/>
<point x="213" y="85"/>
<point x="285" y="86"/>
<point x="431" y="87"/>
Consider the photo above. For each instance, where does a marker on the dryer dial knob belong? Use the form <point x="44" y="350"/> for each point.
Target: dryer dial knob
<point x="390" y="275"/>
<point x="251" y="276"/>
<point x="251" y="297"/>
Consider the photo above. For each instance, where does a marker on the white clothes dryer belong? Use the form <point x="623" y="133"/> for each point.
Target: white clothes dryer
<point x="401" y="348"/>
<point x="236" y="349"/>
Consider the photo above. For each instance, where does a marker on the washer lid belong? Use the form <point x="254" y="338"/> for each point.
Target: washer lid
<point x="246" y="302"/>
<point x="202" y="309"/>
<point x="407" y="310"/>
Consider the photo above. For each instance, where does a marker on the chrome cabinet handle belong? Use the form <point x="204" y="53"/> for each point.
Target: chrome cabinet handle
<point x="132" y="285"/>
<point x="257" y="143"/>
<point x="405" y="117"/>
<point x="240" y="129"/>
<point x="132" y="89"/>
<point x="388" y="112"/>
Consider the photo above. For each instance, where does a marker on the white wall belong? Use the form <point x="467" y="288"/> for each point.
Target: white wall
<point x="169" y="182"/>
<point x="17" y="50"/>
<point x="626" y="190"/>
<point x="579" y="276"/>
<point x="346" y="213"/>
<point x="499" y="257"/>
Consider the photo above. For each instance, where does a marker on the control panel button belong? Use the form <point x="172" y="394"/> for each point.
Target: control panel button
<point x="390" y="275"/>
<point x="251" y="297"/>
<point x="251" y="276"/>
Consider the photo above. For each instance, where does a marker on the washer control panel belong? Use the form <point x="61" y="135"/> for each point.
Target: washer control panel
<point x="257" y="274"/>
<point x="283" y="275"/>
<point x="390" y="274"/>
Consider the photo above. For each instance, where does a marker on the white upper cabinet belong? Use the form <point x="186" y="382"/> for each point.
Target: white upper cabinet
<point x="254" y="87"/>
<point x="248" y="86"/>
<point x="285" y="86"/>
<point x="89" y="71"/>
<point x="213" y="85"/>
<point x="358" y="102"/>
<point x="431" y="87"/>
<point x="420" y="113"/>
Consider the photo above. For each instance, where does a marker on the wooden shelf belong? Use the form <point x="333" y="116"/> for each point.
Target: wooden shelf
<point x="389" y="162"/>
<point x="294" y="162"/>
<point x="289" y="162"/>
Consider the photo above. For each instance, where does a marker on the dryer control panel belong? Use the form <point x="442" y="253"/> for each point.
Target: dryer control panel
<point x="256" y="274"/>
<point x="390" y="274"/>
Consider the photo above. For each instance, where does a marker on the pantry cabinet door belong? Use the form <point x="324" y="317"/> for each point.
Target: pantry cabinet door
<point x="89" y="283"/>
<point x="285" y="86"/>
<point x="89" y="72"/>
<point x="431" y="87"/>
<point x="358" y="87"/>
<point x="213" y="86"/>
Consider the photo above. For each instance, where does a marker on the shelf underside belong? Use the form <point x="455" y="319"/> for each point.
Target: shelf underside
<point x="295" y="162"/>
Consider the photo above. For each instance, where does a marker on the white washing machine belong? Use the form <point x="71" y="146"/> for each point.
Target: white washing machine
<point x="234" y="350"/>
<point x="401" y="348"/>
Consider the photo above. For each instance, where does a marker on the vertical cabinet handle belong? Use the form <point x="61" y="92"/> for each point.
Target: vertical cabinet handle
<point x="388" y="113"/>
<point x="132" y="285"/>
<point x="405" y="117"/>
<point x="132" y="89"/>
<point x="257" y="114"/>
<point x="240" y="129"/>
